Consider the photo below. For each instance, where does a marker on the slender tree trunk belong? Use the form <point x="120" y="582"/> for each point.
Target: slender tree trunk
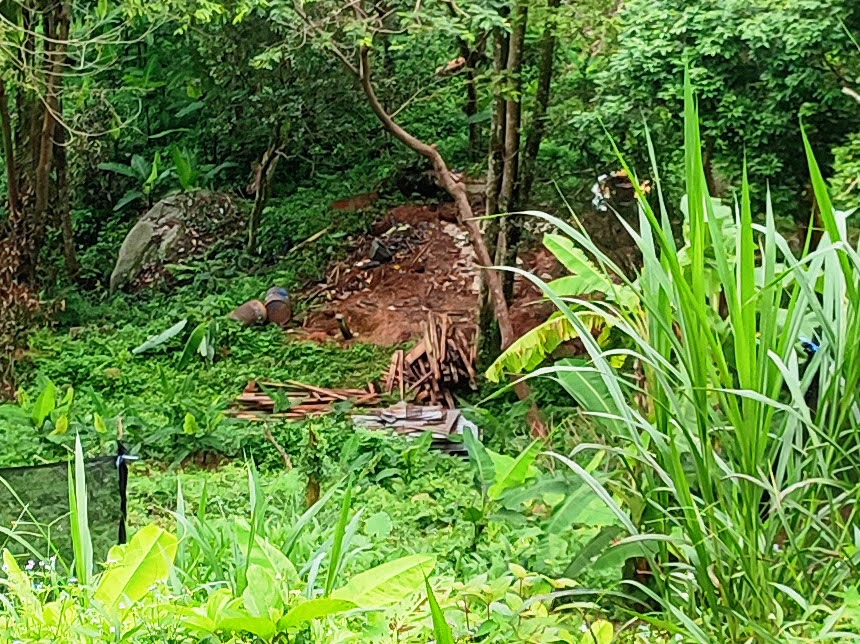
<point x="511" y="227"/>
<point x="489" y="339"/>
<point x="535" y="137"/>
<point x="8" y="152"/>
<point x="262" y="189"/>
<point x="63" y="210"/>
<point x="56" y="38"/>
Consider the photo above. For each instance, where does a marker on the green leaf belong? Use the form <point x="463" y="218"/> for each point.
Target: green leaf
<point x="441" y="629"/>
<point x="585" y="277"/>
<point x="62" y="426"/>
<point x="195" y="340"/>
<point x="387" y="584"/>
<point x="79" y="518"/>
<point x="119" y="168"/>
<point x="481" y="461"/>
<point x="587" y="388"/>
<point x="592" y="550"/>
<point x="378" y="525"/>
<point x="511" y="472"/>
<point x="336" y="554"/>
<point x="99" y="423"/>
<point x="600" y="632"/>
<point x="127" y="198"/>
<point x="314" y="609"/>
<point x="45" y="404"/>
<point x="528" y="351"/>
<point x="161" y="338"/>
<point x="265" y="554"/>
<point x="261" y="595"/>
<point x="189" y="425"/>
<point x="146" y="561"/>
<point x="581" y="508"/>
<point x="21" y="586"/>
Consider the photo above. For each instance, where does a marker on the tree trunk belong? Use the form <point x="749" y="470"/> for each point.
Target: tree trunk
<point x="535" y="137"/>
<point x="489" y="339"/>
<point x="511" y="229"/>
<point x="262" y="188"/>
<point x="8" y="153"/>
<point x="63" y="210"/>
<point x="56" y="38"/>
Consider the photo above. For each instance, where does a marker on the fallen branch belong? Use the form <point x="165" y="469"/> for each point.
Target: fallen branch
<point x="271" y="438"/>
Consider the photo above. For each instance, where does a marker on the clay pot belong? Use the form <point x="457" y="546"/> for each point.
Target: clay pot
<point x="279" y="307"/>
<point x="250" y="313"/>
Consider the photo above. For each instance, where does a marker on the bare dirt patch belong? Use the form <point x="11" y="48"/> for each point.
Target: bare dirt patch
<point x="432" y="268"/>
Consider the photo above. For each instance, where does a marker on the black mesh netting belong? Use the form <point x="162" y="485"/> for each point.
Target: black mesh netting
<point x="34" y="507"/>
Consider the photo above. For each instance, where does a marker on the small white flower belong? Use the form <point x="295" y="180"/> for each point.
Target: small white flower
<point x="73" y="580"/>
<point x="583" y="627"/>
<point x="30" y="565"/>
<point x="679" y="637"/>
<point x="772" y="617"/>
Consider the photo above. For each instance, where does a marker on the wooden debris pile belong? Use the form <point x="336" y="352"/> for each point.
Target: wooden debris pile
<point x="413" y="421"/>
<point x="441" y="362"/>
<point x="295" y="400"/>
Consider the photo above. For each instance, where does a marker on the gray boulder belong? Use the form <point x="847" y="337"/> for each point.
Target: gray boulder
<point x="173" y="230"/>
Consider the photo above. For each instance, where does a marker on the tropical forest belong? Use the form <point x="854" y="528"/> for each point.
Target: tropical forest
<point x="429" y="321"/>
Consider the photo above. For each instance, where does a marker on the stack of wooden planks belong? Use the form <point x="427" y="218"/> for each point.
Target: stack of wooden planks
<point x="441" y="362"/>
<point x="295" y="400"/>
<point x="413" y="421"/>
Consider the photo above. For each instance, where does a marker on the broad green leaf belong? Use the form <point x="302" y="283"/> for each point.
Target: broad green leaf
<point x="119" y="168"/>
<point x="441" y="629"/>
<point x="45" y="404"/>
<point x="581" y="508"/>
<point x="511" y="472"/>
<point x="587" y="388"/>
<point x="161" y="338"/>
<point x="387" y="584"/>
<point x="378" y="525"/>
<point x="239" y="621"/>
<point x="592" y="550"/>
<point x="147" y="560"/>
<point x="261" y="596"/>
<point x="589" y="278"/>
<point x="528" y="351"/>
<point x="600" y="632"/>
<point x="266" y="555"/>
<point x="62" y="426"/>
<point x="313" y="609"/>
<point x="127" y="198"/>
<point x="99" y="423"/>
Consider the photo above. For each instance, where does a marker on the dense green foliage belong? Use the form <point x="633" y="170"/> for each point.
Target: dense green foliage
<point x="699" y="479"/>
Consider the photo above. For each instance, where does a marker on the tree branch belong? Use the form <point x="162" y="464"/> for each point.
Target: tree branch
<point x="852" y="93"/>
